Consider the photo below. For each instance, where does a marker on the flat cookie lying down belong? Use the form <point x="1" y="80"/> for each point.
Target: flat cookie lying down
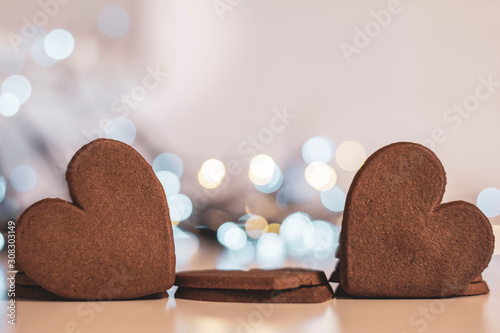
<point x="314" y="294"/>
<point x="473" y="289"/>
<point x="26" y="288"/>
<point x="255" y="279"/>
<point x="287" y="285"/>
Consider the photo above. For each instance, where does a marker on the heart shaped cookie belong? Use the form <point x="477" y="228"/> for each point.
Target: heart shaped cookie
<point x="113" y="242"/>
<point x="398" y="240"/>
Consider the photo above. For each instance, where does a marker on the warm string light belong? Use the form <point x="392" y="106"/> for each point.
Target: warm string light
<point x="211" y="173"/>
<point x="496" y="232"/>
<point x="297" y="236"/>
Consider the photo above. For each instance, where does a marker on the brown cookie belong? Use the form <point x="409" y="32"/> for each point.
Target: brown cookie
<point x="473" y="289"/>
<point x="397" y="240"/>
<point x="313" y="294"/>
<point x="255" y="279"/>
<point x="114" y="241"/>
<point x="24" y="280"/>
<point x="478" y="278"/>
<point x="38" y="293"/>
<point x="35" y="293"/>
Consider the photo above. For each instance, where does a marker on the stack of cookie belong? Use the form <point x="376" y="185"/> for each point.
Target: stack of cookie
<point x="29" y="289"/>
<point x="287" y="285"/>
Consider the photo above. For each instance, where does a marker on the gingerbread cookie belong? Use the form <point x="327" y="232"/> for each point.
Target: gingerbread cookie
<point x="24" y="280"/>
<point x="114" y="241"/>
<point x="38" y="293"/>
<point x="286" y="285"/>
<point x="398" y="240"/>
<point x="254" y="279"/>
<point x="314" y="294"/>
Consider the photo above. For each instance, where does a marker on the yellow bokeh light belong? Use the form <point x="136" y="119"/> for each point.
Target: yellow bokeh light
<point x="255" y="226"/>
<point x="496" y="232"/>
<point x="273" y="227"/>
<point x="211" y="173"/>
<point x="339" y="220"/>
<point x="321" y="176"/>
<point x="261" y="169"/>
<point x="350" y="155"/>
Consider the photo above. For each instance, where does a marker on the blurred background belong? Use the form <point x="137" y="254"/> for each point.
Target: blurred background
<point x="255" y="115"/>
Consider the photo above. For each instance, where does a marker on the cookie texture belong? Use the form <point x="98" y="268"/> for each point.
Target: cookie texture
<point x="312" y="294"/>
<point x="24" y="280"/>
<point x="398" y="240"/>
<point x="254" y="279"/>
<point x="475" y="288"/>
<point x="114" y="241"/>
<point x="38" y="293"/>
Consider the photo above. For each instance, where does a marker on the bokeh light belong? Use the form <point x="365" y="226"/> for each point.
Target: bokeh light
<point x="489" y="202"/>
<point x="170" y="182"/>
<point x="11" y="62"/>
<point x="338" y="222"/>
<point x="59" y="44"/>
<point x="231" y="236"/>
<point x="262" y="169"/>
<point x="334" y="199"/>
<point x="19" y="86"/>
<point x="3" y="188"/>
<point x="23" y="178"/>
<point x="274" y="183"/>
<point x="236" y="259"/>
<point x="211" y="173"/>
<point x="255" y="225"/>
<point x="121" y="129"/>
<point x="243" y="256"/>
<point x="496" y="232"/>
<point x="271" y="252"/>
<point x="113" y="21"/>
<point x="180" y="207"/>
<point x="262" y="204"/>
<point x="38" y="52"/>
<point x="295" y="190"/>
<point x="318" y="149"/>
<point x="294" y="230"/>
<point x="323" y="241"/>
<point x="11" y="207"/>
<point x="273" y="227"/>
<point x="186" y="246"/>
<point x="168" y="162"/>
<point x="350" y="155"/>
<point x="321" y="176"/>
<point x="9" y="104"/>
<point x="2" y="241"/>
